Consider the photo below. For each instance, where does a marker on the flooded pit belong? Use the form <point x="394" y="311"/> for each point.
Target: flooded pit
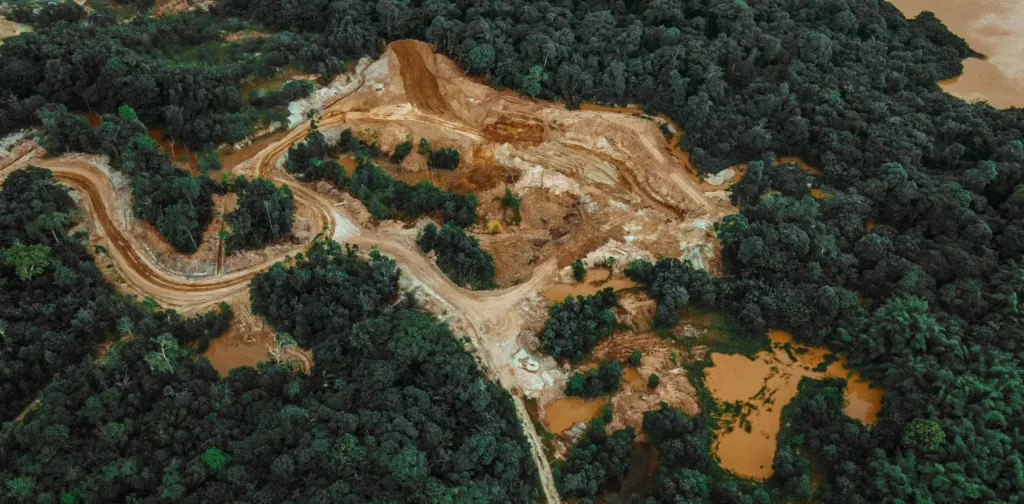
<point x="994" y="28"/>
<point x="764" y="386"/>
<point x="594" y="281"/>
<point x="562" y="414"/>
<point x="226" y="353"/>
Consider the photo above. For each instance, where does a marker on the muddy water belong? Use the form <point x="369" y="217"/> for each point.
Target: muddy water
<point x="994" y="28"/>
<point x="767" y="383"/>
<point x="633" y="379"/>
<point x="226" y="353"/>
<point x="349" y="163"/>
<point x="562" y="414"/>
<point x="595" y="280"/>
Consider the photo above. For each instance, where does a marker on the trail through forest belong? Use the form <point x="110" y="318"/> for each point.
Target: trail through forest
<point x="435" y="95"/>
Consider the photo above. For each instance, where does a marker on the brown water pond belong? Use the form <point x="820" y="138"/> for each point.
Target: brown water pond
<point x="994" y="28"/>
<point x="562" y="414"/>
<point x="595" y="280"/>
<point x="226" y="353"/>
<point x="764" y="386"/>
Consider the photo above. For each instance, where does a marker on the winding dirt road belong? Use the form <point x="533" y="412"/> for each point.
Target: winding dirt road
<point x="490" y="318"/>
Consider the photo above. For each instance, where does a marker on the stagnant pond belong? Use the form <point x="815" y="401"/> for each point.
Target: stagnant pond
<point x="994" y="28"/>
<point x="764" y="386"/>
<point x="594" y="281"/>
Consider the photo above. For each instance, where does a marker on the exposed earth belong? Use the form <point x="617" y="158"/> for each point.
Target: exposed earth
<point x="594" y="183"/>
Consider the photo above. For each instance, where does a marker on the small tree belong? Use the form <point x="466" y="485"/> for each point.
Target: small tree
<point x="445" y="158"/>
<point x="511" y="202"/>
<point x="28" y="260"/>
<point x="215" y="458"/>
<point x="634" y="358"/>
<point x="424" y="147"/>
<point x="653" y="380"/>
<point x="579" y="270"/>
<point x="923" y="434"/>
<point x="401" y="151"/>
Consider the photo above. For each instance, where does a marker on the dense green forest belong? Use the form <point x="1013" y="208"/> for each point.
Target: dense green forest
<point x="458" y="255"/>
<point x="394" y="410"/>
<point x="177" y="72"/>
<point x="263" y="215"/>
<point x="924" y="303"/>
<point x="55" y="305"/>
<point x="575" y="325"/>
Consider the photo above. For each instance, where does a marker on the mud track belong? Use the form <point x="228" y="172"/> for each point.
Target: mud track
<point x="490" y="318"/>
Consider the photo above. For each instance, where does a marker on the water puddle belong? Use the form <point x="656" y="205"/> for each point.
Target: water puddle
<point x="633" y="379"/>
<point x="562" y="414"/>
<point x="595" y="280"/>
<point x="226" y="353"/>
<point x="763" y="386"/>
<point x="349" y="163"/>
<point x="994" y="28"/>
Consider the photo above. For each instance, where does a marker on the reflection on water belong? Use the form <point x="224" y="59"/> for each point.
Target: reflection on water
<point x="639" y="482"/>
<point x="765" y="385"/>
<point x="994" y="28"/>
<point x="595" y="280"/>
<point x="562" y="414"/>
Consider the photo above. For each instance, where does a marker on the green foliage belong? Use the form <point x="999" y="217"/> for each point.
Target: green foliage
<point x="28" y="261"/>
<point x="653" y="380"/>
<point x="401" y="151"/>
<point x="53" y="316"/>
<point x="593" y="461"/>
<point x="634" y="358"/>
<point x="385" y="197"/>
<point x="445" y="158"/>
<point x="263" y="215"/>
<point x="923" y="434"/>
<point x="512" y="202"/>
<point x="458" y="255"/>
<point x="289" y="92"/>
<point x="671" y="283"/>
<point x="579" y="270"/>
<point x="577" y="324"/>
<point x="602" y="380"/>
<point x="215" y="458"/>
<point x="394" y="409"/>
<point x="424" y="147"/>
<point x="329" y="289"/>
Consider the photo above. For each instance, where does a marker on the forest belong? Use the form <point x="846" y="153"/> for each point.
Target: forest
<point x="910" y="265"/>
<point x="384" y="196"/>
<point x="458" y="255"/>
<point x="394" y="410"/>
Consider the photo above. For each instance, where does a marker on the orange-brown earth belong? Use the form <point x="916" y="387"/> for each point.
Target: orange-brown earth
<point x="595" y="184"/>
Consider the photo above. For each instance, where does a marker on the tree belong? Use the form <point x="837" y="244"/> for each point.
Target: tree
<point x="923" y="434"/>
<point x="28" y="261"/>
<point x="263" y="215"/>
<point x="579" y="270"/>
<point x="634" y="358"/>
<point x="653" y="380"/>
<point x="577" y="324"/>
<point x="458" y="255"/>
<point x="604" y="379"/>
<point x="533" y="80"/>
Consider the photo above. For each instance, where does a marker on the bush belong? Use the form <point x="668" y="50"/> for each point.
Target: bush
<point x="634" y="358"/>
<point x="579" y="270"/>
<point x="603" y="380"/>
<point x="401" y="151"/>
<point x="445" y="158"/>
<point x="653" y="380"/>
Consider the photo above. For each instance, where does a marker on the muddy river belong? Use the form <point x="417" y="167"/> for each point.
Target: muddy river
<point x="765" y="385"/>
<point x="595" y="280"/>
<point x="994" y="28"/>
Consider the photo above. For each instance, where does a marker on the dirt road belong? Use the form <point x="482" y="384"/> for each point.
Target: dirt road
<point x="424" y="94"/>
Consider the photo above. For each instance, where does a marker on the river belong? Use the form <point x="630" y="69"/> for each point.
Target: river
<point x="994" y="28"/>
<point x="765" y="385"/>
